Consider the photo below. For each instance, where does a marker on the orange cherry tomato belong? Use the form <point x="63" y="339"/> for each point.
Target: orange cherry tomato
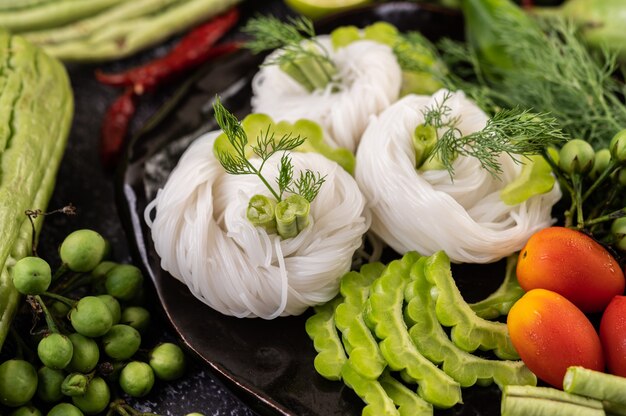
<point x="572" y="264"/>
<point x="551" y="334"/>
<point x="613" y="335"/>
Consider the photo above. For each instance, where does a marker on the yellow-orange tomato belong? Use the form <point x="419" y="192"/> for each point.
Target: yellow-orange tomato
<point x="613" y="335"/>
<point x="551" y="334"/>
<point x="572" y="264"/>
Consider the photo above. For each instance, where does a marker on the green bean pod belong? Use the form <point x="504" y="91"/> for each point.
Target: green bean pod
<point x="292" y="215"/>
<point x="261" y="213"/>
<point x="469" y="331"/>
<point x="320" y="327"/>
<point x="432" y="341"/>
<point x="527" y="400"/>
<point x="52" y="14"/>
<point x="362" y="348"/>
<point x="595" y="384"/>
<point x="383" y="314"/>
<point x="499" y="302"/>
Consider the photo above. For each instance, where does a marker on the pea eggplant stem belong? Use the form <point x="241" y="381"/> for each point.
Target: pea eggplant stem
<point x="608" y="217"/>
<point x="49" y="320"/>
<point x="59" y="272"/>
<point x="612" y="167"/>
<point x="69" y="302"/>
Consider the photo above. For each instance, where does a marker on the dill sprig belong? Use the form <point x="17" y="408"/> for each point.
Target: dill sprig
<point x="296" y="38"/>
<point x="514" y="132"/>
<point x="308" y="183"/>
<point x="553" y="72"/>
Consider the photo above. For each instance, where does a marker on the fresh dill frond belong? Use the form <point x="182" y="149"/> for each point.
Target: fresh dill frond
<point x="237" y="163"/>
<point x="514" y="132"/>
<point x="553" y="72"/>
<point x="296" y="38"/>
<point x="308" y="185"/>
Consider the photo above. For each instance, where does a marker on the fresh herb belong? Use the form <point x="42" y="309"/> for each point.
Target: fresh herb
<point x="236" y="163"/>
<point x="514" y="132"/>
<point x="302" y="56"/>
<point x="553" y="72"/>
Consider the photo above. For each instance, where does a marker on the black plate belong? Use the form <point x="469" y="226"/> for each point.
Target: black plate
<point x="269" y="364"/>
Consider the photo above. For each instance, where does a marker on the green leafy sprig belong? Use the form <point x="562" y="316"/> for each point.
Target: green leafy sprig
<point x="308" y="183"/>
<point x="515" y="132"/>
<point x="296" y="37"/>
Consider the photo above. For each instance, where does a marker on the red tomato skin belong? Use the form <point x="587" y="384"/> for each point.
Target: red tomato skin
<point x="613" y="335"/>
<point x="572" y="264"/>
<point x="551" y="334"/>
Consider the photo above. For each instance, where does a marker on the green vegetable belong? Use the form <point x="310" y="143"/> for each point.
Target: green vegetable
<point x="256" y="126"/>
<point x="261" y="213"/>
<point x="499" y="302"/>
<point x="75" y="384"/>
<point x="26" y="411"/>
<point x="409" y="403"/>
<point x="617" y="147"/>
<point x="124" y="281"/>
<point x="535" y="179"/>
<point x="36" y="107"/>
<point x="91" y="317"/>
<point x="344" y="35"/>
<point x="49" y="384"/>
<point x="95" y="399"/>
<point x="137" y="379"/>
<point x="31" y="275"/>
<point x="576" y="157"/>
<point x="601" y="23"/>
<point x="320" y="327"/>
<point x="595" y="384"/>
<point x="114" y="307"/>
<point x="292" y="216"/>
<point x="601" y="162"/>
<point x="125" y="29"/>
<point x="362" y="348"/>
<point x="137" y="317"/>
<point x="52" y="14"/>
<point x="370" y="391"/>
<point x="432" y="341"/>
<point x="526" y="400"/>
<point x="55" y="351"/>
<point x="469" y="332"/>
<point x="121" y="342"/>
<point x="65" y="409"/>
<point x="86" y="354"/>
<point x="302" y="57"/>
<point x="18" y="382"/>
<point x="82" y="250"/>
<point x="383" y="314"/>
<point x="167" y="361"/>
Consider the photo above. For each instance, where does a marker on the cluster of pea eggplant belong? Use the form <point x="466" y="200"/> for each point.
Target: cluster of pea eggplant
<point x="88" y="346"/>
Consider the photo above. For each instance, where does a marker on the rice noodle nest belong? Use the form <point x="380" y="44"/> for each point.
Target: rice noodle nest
<point x="428" y="211"/>
<point x="201" y="233"/>
<point x="369" y="81"/>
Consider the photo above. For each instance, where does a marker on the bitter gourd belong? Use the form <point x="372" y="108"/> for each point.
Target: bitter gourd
<point x="36" y="108"/>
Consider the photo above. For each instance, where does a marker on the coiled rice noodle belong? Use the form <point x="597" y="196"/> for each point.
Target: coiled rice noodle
<point x="427" y="211"/>
<point x="370" y="81"/>
<point x="200" y="231"/>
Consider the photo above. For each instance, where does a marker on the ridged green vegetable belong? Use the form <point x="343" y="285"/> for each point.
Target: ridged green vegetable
<point x="528" y="401"/>
<point x="362" y="347"/>
<point x="370" y="391"/>
<point x="499" y="302"/>
<point x="432" y="341"/>
<point x="36" y="108"/>
<point x="383" y="314"/>
<point x="320" y="327"/>
<point x="469" y="331"/>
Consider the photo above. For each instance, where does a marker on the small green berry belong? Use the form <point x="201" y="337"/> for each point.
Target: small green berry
<point x="168" y="361"/>
<point x="83" y="250"/>
<point x="86" y="354"/>
<point x="95" y="399"/>
<point x="31" y="276"/>
<point x="618" y="146"/>
<point x="27" y="410"/>
<point x="65" y="409"/>
<point x="124" y="282"/>
<point x="576" y="156"/>
<point x="137" y="379"/>
<point x="137" y="317"/>
<point x="55" y="351"/>
<point x="49" y="384"/>
<point x="91" y="317"/>
<point x="121" y="342"/>
<point x="18" y="382"/>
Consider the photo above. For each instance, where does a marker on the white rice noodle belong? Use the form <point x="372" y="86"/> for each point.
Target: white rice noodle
<point x="427" y="211"/>
<point x="201" y="233"/>
<point x="370" y="81"/>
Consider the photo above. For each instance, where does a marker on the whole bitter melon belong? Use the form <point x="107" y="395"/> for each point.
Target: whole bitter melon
<point x="36" y="109"/>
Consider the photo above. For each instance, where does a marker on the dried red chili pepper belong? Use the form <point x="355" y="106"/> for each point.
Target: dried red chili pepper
<point x="115" y="126"/>
<point x="194" y="49"/>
